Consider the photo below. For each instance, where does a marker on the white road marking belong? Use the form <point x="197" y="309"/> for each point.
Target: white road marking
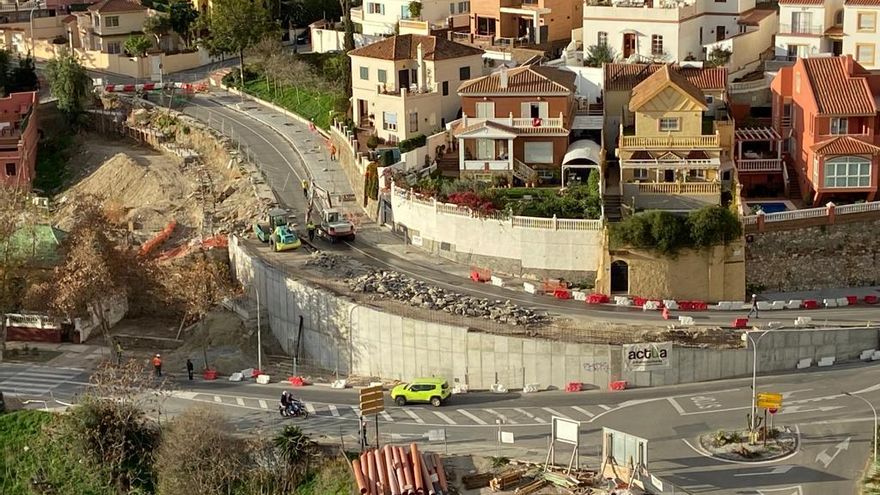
<point x="526" y="413"/>
<point x="555" y="412"/>
<point x="310" y="408"/>
<point x="501" y="416"/>
<point x="333" y="410"/>
<point x="263" y="404"/>
<point x="472" y="417"/>
<point x="357" y="410"/>
<point x="786" y="395"/>
<point x="413" y="416"/>
<point x="387" y="417"/>
<point x="583" y="411"/>
<point x="790" y="490"/>
<point x="239" y="401"/>
<point x="217" y="398"/>
<point x="676" y="405"/>
<point x="444" y="417"/>
<point x="776" y="470"/>
<point x="605" y="407"/>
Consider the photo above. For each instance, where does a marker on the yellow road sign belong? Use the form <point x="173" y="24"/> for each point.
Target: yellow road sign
<point x="769" y="400"/>
<point x="372" y="400"/>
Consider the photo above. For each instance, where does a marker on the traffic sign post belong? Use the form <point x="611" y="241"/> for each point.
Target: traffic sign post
<point x="769" y="400"/>
<point x="372" y="402"/>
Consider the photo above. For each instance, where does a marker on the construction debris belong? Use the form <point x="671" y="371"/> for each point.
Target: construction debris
<point x="506" y="480"/>
<point x="394" y="470"/>
<point x="532" y="487"/>
<point x="397" y="286"/>
<point x="474" y="481"/>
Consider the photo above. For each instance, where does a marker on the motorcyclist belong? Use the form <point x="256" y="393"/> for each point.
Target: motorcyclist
<point x="285" y="401"/>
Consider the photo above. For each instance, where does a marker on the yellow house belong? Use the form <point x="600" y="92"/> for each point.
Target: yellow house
<point x="671" y="148"/>
<point x="106" y="25"/>
<point x="407" y="85"/>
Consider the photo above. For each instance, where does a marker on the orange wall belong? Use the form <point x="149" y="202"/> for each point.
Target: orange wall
<point x="25" y="156"/>
<point x="504" y="105"/>
<point x="565" y="16"/>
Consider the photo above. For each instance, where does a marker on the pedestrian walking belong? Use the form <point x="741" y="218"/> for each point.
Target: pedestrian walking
<point x="754" y="306"/>
<point x="332" y="152"/>
<point x="310" y="228"/>
<point x="189" y="368"/>
<point x="305" y="184"/>
<point x="312" y="125"/>
<point x="363" y="434"/>
<point x="157" y="365"/>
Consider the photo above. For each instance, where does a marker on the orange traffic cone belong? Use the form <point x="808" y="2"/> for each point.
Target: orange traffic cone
<point x="665" y="313"/>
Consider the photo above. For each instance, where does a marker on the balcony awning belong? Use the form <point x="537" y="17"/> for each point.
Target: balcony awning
<point x="757" y="134"/>
<point x="529" y="12"/>
<point x="583" y="149"/>
<point x="485" y="130"/>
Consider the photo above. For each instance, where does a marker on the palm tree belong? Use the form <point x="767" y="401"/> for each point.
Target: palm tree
<point x="296" y="450"/>
<point x="598" y="55"/>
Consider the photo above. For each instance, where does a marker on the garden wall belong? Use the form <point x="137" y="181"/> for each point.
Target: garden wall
<point x="519" y="246"/>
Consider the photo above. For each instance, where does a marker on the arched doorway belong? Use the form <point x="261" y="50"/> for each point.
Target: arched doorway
<point x="619" y="277"/>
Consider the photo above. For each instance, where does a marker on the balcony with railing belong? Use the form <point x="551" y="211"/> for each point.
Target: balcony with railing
<point x="652" y="10"/>
<point x="549" y="123"/>
<point x="410" y="91"/>
<point x="675" y="196"/>
<point x="357" y="14"/>
<point x="802" y="29"/>
<point x="671" y="141"/>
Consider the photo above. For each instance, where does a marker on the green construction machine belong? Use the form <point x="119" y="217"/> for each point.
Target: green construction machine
<point x="274" y="219"/>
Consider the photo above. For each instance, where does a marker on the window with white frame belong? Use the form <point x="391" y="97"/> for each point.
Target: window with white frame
<point x="865" y="53"/>
<point x="538" y="152"/>
<point x="839" y="125"/>
<point x="867" y="22"/>
<point x="389" y="121"/>
<point x="670" y="124"/>
<point x="111" y="21"/>
<point x="485" y="149"/>
<point x="847" y="171"/>
<point x="485" y="109"/>
<point x="451" y="8"/>
<point x="381" y="75"/>
<point x="114" y="47"/>
<point x="603" y="38"/>
<point x="697" y="173"/>
<point x="656" y="44"/>
<point x="375" y="8"/>
<point x="404" y="12"/>
<point x="640" y="174"/>
<point x="364" y="73"/>
<point x="464" y="7"/>
<point x="413" y="122"/>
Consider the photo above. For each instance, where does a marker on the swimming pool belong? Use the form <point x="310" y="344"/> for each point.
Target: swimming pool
<point x="771" y="206"/>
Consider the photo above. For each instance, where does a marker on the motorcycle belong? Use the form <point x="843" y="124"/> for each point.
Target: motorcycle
<point x="294" y="409"/>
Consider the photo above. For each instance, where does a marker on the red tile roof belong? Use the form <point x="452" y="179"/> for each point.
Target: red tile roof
<point x="624" y="77"/>
<point x="834" y="31"/>
<point x="525" y="80"/>
<point x="862" y="3"/>
<point x="838" y="86"/>
<point x="801" y="2"/>
<point x="845" y="145"/>
<point x="753" y="17"/>
<point x="405" y="47"/>
<point x="106" y="6"/>
<point x="655" y="83"/>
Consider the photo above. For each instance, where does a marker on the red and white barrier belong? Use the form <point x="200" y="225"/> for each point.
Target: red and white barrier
<point x="135" y="88"/>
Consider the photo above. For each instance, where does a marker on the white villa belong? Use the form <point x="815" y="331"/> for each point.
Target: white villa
<point x="380" y="17"/>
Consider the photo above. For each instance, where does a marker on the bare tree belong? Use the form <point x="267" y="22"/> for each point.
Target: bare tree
<point x="16" y="215"/>
<point x="198" y="284"/>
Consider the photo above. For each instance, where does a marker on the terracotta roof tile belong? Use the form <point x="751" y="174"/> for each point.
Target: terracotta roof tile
<point x="648" y="88"/>
<point x="801" y="2"/>
<point x="837" y="90"/>
<point x="834" y="31"/>
<point x="845" y="145"/>
<point x="863" y="3"/>
<point x="405" y="47"/>
<point x="753" y="17"/>
<point x="624" y="77"/>
<point x="530" y="79"/>
<point x="105" y="6"/>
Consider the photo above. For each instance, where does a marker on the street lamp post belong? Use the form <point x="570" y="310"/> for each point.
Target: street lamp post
<point x="747" y="336"/>
<point x="873" y="410"/>
<point x="36" y="6"/>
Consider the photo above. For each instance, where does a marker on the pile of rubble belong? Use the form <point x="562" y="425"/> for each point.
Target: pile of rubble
<point x="338" y="266"/>
<point x="418" y="293"/>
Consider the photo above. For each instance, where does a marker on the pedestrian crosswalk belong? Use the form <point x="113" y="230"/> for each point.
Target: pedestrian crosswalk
<point x="426" y="415"/>
<point x="34" y="380"/>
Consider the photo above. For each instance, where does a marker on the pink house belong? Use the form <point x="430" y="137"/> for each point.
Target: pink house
<point x="18" y="138"/>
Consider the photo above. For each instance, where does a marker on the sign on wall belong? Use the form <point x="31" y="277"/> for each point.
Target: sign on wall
<point x="648" y="356"/>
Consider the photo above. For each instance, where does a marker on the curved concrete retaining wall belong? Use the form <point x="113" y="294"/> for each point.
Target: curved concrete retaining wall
<point x="339" y="333"/>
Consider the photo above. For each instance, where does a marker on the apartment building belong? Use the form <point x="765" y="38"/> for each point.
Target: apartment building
<point x="829" y="105"/>
<point x="18" y="138"/>
<point x="406" y="85"/>
<point x="380" y="17"/>
<point x="665" y="30"/>
<point x="516" y="123"/>
<point x="670" y="147"/>
<point x="861" y="24"/>
<point x="510" y="23"/>
<point x="105" y="25"/>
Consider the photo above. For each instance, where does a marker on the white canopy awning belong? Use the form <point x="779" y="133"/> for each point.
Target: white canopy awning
<point x="583" y="149"/>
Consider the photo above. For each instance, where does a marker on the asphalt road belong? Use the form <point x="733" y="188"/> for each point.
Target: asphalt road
<point x="287" y="152"/>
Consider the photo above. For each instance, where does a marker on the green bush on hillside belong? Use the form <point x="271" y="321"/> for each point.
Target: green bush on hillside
<point x="666" y="233"/>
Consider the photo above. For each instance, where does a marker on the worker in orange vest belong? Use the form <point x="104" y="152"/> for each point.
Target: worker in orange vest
<point x="157" y="365"/>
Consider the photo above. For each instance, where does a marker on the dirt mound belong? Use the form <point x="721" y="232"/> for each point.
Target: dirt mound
<point x="147" y="189"/>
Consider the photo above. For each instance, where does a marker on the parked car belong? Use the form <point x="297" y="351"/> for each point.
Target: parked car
<point x="434" y="391"/>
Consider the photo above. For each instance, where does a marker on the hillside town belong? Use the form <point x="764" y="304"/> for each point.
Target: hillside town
<point x="424" y="247"/>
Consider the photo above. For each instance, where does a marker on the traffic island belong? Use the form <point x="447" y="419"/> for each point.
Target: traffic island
<point x="734" y="445"/>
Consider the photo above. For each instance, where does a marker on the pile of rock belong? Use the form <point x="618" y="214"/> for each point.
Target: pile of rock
<point x="338" y="266"/>
<point x="418" y="293"/>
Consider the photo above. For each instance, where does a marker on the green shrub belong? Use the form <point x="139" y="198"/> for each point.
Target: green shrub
<point x="713" y="225"/>
<point x="413" y="143"/>
<point x="666" y="233"/>
<point x="372" y="142"/>
<point x="371" y="184"/>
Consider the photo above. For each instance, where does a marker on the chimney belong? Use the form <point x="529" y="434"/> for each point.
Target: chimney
<point x="502" y="77"/>
<point x="420" y="59"/>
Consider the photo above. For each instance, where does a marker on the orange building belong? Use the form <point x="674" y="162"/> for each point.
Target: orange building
<point x="830" y="107"/>
<point x="18" y="138"/>
<point x="524" y="21"/>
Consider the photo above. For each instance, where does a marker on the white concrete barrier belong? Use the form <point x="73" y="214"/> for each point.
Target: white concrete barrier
<point x="498" y="389"/>
<point x="497" y="281"/>
<point x="842" y="301"/>
<point x="777" y="305"/>
<point x="622" y="301"/>
<point x="235" y="377"/>
<point x="460" y="388"/>
<point x="651" y="305"/>
<point x="875" y="356"/>
<point x="579" y="295"/>
<point x="339" y="384"/>
<point x="763" y="306"/>
<point x="530" y="288"/>
<point x="263" y="379"/>
<point x="794" y="304"/>
<point x="803" y="321"/>
<point x="721" y="306"/>
<point x="830" y="303"/>
<point x="686" y="321"/>
<point x="805" y="363"/>
<point x="866" y="354"/>
<point x="531" y="388"/>
<point x="826" y="361"/>
<point x="670" y="304"/>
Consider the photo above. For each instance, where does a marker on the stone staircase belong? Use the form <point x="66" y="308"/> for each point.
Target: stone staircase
<point x="447" y="164"/>
<point x="794" y="184"/>
<point x="524" y="172"/>
<point x="612" y="204"/>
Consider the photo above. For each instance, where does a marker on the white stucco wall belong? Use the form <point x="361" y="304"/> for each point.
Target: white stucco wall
<point x="853" y="37"/>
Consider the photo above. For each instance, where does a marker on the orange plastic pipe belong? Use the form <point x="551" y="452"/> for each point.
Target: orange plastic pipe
<point x="393" y="485"/>
<point x="417" y="468"/>
<point x="407" y="471"/>
<point x="371" y="465"/>
<point x="426" y="476"/>
<point x="438" y="465"/>
<point x="382" y="471"/>
<point x="359" y="476"/>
